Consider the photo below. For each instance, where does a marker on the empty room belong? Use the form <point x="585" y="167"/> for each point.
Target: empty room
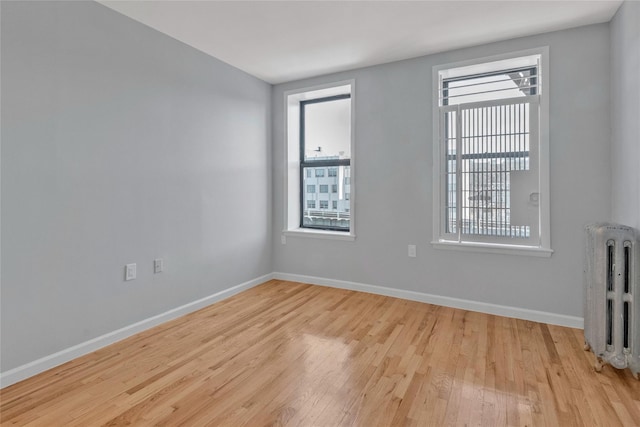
<point x="320" y="213"/>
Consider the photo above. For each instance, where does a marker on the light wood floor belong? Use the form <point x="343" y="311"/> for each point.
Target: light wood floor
<point x="287" y="353"/>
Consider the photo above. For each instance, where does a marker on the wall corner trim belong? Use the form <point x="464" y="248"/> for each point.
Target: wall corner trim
<point x="30" y="369"/>
<point x="482" y="307"/>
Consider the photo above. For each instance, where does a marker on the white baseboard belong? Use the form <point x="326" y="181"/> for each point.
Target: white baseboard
<point x="482" y="307"/>
<point x="37" y="366"/>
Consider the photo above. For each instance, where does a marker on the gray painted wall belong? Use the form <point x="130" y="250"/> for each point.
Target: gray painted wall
<point x="393" y="174"/>
<point x="120" y="145"/>
<point x="625" y="113"/>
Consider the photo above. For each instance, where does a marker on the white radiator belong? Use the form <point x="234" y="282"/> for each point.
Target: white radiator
<point x="612" y="282"/>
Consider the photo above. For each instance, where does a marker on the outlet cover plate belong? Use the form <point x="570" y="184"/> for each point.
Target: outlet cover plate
<point x="411" y="251"/>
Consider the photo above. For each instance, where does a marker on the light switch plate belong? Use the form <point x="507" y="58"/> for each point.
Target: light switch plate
<point x="158" y="265"/>
<point x="129" y="272"/>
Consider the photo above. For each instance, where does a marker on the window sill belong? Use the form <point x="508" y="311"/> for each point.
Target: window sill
<point x="319" y="234"/>
<point x="493" y="248"/>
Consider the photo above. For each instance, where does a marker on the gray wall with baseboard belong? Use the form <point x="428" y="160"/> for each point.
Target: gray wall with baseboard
<point x="625" y="113"/>
<point x="121" y="145"/>
<point x="393" y="176"/>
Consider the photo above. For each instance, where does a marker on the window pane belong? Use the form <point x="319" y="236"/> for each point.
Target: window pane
<point x="333" y="210"/>
<point x="495" y="141"/>
<point x="327" y="130"/>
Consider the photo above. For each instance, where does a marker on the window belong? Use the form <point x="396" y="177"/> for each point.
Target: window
<point x="491" y="182"/>
<point x="311" y="204"/>
<point x="347" y="196"/>
<point x="319" y="147"/>
<point x="325" y="145"/>
<point x="334" y="204"/>
<point x="347" y="180"/>
<point x="311" y="189"/>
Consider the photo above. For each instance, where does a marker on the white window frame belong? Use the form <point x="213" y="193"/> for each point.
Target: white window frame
<point x="292" y="182"/>
<point x="443" y="241"/>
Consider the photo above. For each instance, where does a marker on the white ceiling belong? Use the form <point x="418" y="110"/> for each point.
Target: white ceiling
<point x="279" y="41"/>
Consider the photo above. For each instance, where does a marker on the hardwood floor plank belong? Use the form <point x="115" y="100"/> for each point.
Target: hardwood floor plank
<point x="291" y="354"/>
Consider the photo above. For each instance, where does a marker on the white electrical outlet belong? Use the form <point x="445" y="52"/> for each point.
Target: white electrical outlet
<point x="412" y="251"/>
<point x="129" y="272"/>
<point x="158" y="265"/>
